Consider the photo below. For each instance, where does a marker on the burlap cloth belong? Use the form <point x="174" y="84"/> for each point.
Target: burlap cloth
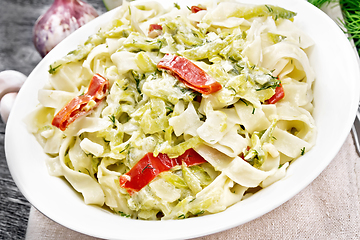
<point x="329" y="208"/>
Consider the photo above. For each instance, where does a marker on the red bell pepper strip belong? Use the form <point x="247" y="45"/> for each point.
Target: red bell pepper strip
<point x="153" y="27"/>
<point x="77" y="107"/>
<point x="190" y="74"/>
<point x="195" y="9"/>
<point x="155" y="30"/>
<point x="279" y="94"/>
<point x="149" y="167"/>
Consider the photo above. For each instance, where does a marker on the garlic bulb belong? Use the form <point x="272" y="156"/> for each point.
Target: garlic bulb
<point x="62" y="18"/>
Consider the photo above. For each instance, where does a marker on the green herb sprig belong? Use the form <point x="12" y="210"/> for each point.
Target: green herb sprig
<point x="320" y="3"/>
<point x="351" y="13"/>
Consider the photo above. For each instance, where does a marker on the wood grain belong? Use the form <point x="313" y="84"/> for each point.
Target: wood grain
<point x="17" y="18"/>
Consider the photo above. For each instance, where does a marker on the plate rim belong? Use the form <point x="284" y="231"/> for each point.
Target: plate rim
<point x="10" y="140"/>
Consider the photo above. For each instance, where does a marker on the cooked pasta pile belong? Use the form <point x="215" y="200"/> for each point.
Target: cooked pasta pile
<point x="243" y="133"/>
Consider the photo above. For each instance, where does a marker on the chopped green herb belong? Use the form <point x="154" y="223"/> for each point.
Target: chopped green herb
<point x="169" y="109"/>
<point x="53" y="70"/>
<point x="199" y="213"/>
<point x="126" y="147"/>
<point x="123" y="214"/>
<point x="271" y="84"/>
<point x="269" y="8"/>
<point x="303" y="151"/>
<point x="182" y="216"/>
<point x="137" y="79"/>
<point x="148" y="166"/>
<point x="160" y="46"/>
<point x="244" y="101"/>
<point x="232" y="59"/>
<point x="192" y="200"/>
<point x="233" y="89"/>
<point x="176" y="5"/>
<point x="112" y="119"/>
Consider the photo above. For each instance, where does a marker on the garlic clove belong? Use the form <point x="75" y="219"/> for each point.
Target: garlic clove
<point x="6" y="104"/>
<point x="10" y="81"/>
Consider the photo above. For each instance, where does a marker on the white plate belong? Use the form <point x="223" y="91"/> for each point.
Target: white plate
<point x="336" y="93"/>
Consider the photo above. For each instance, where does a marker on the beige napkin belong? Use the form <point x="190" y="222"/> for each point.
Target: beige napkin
<point x="329" y="208"/>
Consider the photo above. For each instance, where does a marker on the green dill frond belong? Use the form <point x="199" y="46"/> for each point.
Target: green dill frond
<point x="320" y="3"/>
<point x="351" y="13"/>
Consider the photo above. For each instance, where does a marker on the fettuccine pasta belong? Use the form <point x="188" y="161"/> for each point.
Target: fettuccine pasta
<point x="198" y="108"/>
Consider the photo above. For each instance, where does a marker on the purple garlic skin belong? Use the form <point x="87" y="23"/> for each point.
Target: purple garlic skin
<point x="61" y="19"/>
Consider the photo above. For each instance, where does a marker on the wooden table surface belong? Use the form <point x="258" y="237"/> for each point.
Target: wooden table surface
<point x="17" y="52"/>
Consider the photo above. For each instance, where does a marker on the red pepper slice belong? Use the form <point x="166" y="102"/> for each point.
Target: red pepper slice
<point x="155" y="27"/>
<point x="190" y="74"/>
<point x="279" y="94"/>
<point x="195" y="9"/>
<point x="149" y="167"/>
<point x="242" y="155"/>
<point x="77" y="106"/>
<point x="155" y="30"/>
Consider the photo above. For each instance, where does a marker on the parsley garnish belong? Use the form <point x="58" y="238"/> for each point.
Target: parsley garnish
<point x="176" y="5"/>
